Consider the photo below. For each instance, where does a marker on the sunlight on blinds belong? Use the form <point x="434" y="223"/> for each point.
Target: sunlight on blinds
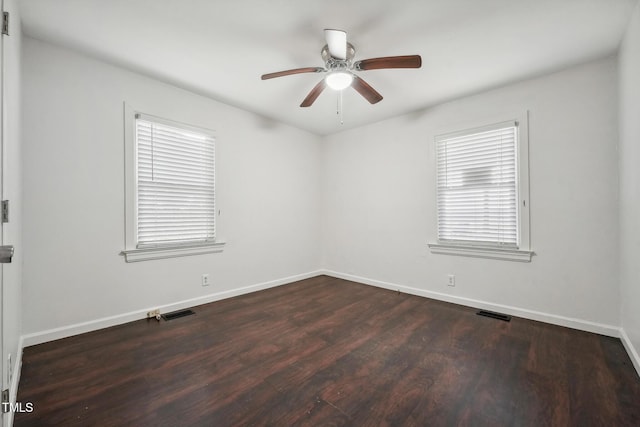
<point x="477" y="186"/>
<point x="175" y="185"/>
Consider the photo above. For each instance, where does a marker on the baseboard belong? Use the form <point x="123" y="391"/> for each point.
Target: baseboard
<point x="105" y="322"/>
<point x="631" y="350"/>
<point x="15" y="380"/>
<point x="583" y="325"/>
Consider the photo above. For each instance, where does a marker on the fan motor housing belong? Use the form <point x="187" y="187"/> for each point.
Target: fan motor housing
<point x="332" y="63"/>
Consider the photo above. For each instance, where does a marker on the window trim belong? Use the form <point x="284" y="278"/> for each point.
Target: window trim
<point x="523" y="252"/>
<point x="131" y="252"/>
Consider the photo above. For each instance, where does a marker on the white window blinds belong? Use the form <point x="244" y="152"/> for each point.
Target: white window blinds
<point x="477" y="186"/>
<point x="175" y="184"/>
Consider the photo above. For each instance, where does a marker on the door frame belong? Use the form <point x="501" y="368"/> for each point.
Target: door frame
<point x="3" y="362"/>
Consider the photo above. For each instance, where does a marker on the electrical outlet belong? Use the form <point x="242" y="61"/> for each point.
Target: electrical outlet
<point x="205" y="279"/>
<point x="452" y="280"/>
<point x="153" y="314"/>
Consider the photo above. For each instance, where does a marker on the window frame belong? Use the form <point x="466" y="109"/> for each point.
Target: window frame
<point x="133" y="253"/>
<point x="522" y="252"/>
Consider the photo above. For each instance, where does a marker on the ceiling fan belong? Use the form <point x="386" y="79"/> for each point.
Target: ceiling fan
<point x="338" y="55"/>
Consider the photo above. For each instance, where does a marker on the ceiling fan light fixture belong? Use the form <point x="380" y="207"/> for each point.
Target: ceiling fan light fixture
<point x="342" y="72"/>
<point x="339" y="80"/>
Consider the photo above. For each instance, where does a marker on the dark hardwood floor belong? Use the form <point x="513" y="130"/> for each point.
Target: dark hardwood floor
<point x="326" y="351"/>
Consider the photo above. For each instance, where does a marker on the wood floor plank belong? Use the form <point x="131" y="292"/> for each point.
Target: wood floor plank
<point x="326" y="351"/>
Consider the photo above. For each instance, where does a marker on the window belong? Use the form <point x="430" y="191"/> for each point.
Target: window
<point x="482" y="192"/>
<point x="170" y="189"/>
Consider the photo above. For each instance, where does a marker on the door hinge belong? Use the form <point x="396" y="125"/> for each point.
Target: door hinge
<point x="5" y="401"/>
<point x="5" y="23"/>
<point x="5" y="211"/>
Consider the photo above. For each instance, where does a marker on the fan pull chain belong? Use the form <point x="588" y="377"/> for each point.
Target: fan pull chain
<point x="339" y="108"/>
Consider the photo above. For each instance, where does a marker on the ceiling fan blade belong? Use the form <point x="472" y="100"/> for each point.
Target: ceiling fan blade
<point x="313" y="95"/>
<point x="294" y="71"/>
<point x="364" y="89"/>
<point x="337" y="43"/>
<point x="407" y="61"/>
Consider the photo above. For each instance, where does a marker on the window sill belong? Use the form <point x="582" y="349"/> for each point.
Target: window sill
<point x="135" y="255"/>
<point x="480" y="252"/>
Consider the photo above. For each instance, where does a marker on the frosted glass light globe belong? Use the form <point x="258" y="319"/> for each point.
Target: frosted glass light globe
<point x="339" y="80"/>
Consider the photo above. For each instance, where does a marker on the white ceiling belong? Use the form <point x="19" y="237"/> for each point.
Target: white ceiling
<point x="220" y="48"/>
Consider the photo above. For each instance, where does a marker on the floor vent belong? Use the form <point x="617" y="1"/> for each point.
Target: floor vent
<point x="177" y="314"/>
<point x="495" y="315"/>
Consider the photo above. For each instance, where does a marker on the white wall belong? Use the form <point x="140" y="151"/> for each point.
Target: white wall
<point x="379" y="201"/>
<point x="359" y="203"/>
<point x="267" y="186"/>
<point x="12" y="191"/>
<point x="630" y="183"/>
